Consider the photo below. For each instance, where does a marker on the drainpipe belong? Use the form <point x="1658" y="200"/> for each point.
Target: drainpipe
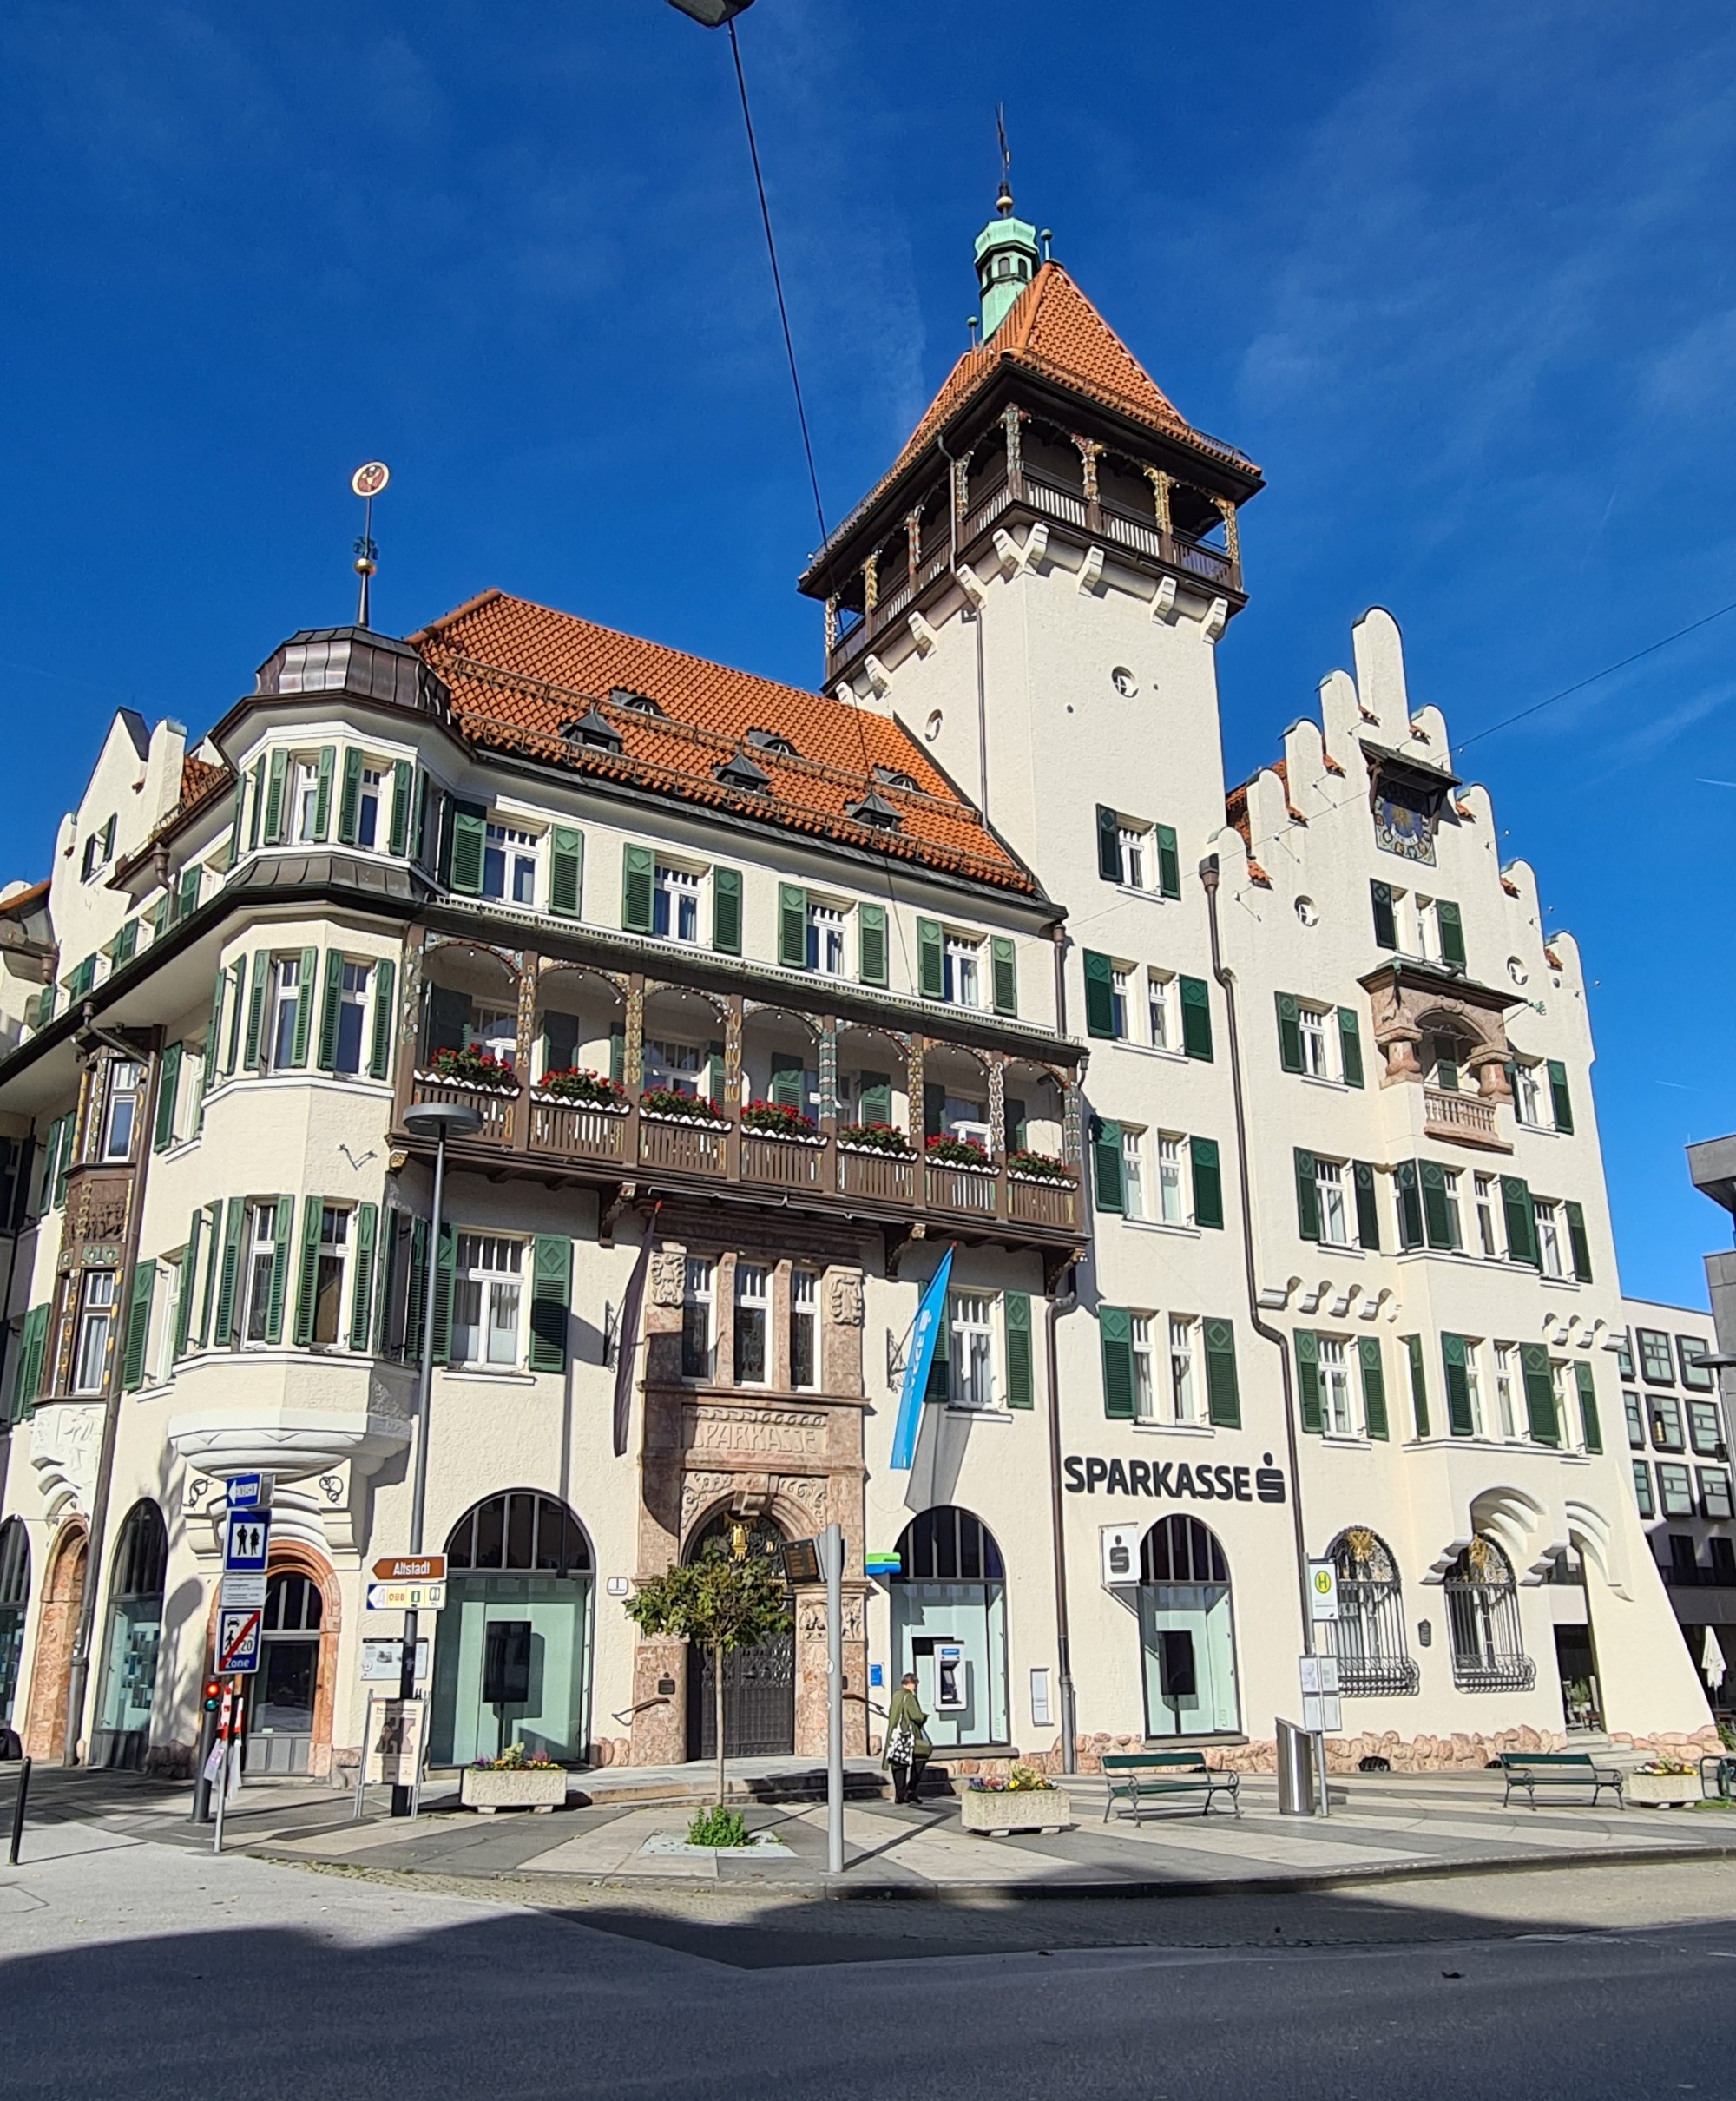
<point x="1208" y="877"/>
<point x="78" y="1670"/>
<point x="1063" y="1647"/>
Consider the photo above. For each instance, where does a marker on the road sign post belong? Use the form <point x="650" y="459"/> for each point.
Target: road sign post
<point x="831" y="1554"/>
<point x="1323" y="1611"/>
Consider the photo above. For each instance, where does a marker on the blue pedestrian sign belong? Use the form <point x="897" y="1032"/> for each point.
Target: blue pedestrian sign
<point x="248" y="1491"/>
<point x="246" y="1539"/>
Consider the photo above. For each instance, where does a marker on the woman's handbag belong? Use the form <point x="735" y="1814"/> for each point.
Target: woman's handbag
<point x="901" y="1744"/>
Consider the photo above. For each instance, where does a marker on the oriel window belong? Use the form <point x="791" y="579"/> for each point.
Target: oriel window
<point x="328" y="1291"/>
<point x="122" y="1117"/>
<point x="353" y="1006"/>
<point x="95" y="1324"/>
<point x="367" y="810"/>
<point x="261" y="1259"/>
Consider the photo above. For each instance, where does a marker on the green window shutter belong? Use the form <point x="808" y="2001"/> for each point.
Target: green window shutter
<point x="1373" y="1386"/>
<point x="1522" y="1221"/>
<point x="725" y="911"/>
<point x="1367" y="1204"/>
<point x="256" y="1011"/>
<point x="1452" y="934"/>
<point x="1114" y="1333"/>
<point x="283" y="1218"/>
<point x="1385" y="921"/>
<point x="638" y="867"/>
<point x="1289" y="1033"/>
<point x="160" y="916"/>
<point x="792" y="926"/>
<point x="26" y="1372"/>
<point x="566" y="872"/>
<point x="367" y="1219"/>
<point x="237" y="1005"/>
<point x="228" y="1274"/>
<point x="874" y="1097"/>
<point x="1016" y="1312"/>
<point x="469" y="844"/>
<point x="870" y="944"/>
<point x="1438" y="1225"/>
<point x="1196" y="1019"/>
<point x="213" y="1040"/>
<point x="1208" y="1182"/>
<point x="304" y="1005"/>
<point x="1223" y="1391"/>
<point x="1577" y="1242"/>
<point x="126" y="943"/>
<point x="350" y="796"/>
<point x="329" y="1008"/>
<point x="1349" y="1047"/>
<point x="424" y="810"/>
<point x="1540" y="1394"/>
<point x="187" y="897"/>
<point x="1168" y="863"/>
<point x="325" y="767"/>
<point x="1308" y="1381"/>
<point x="403" y="788"/>
<point x="1409" y="1205"/>
<point x="1419" y="1385"/>
<point x="445" y="1263"/>
<point x="307" y="1280"/>
<point x="788" y="1071"/>
<point x="168" y="1085"/>
<point x="1591" y="1430"/>
<point x="1307" y="1194"/>
<point x="239" y="811"/>
<point x="1459" y="1418"/>
<point x="1105" y="1164"/>
<point x="617" y="1051"/>
<point x="206" y="1330"/>
<point x="256" y="817"/>
<point x="385" y="1019"/>
<point x="551" y="1274"/>
<point x="1099" y="995"/>
<point x="1109" y="845"/>
<point x="189" y="1278"/>
<point x="1004" y="972"/>
<point x="68" y="1125"/>
<point x="277" y="783"/>
<point x="939" y="1387"/>
<point x="415" y="1292"/>
<point x="930" y="960"/>
<point x="1559" y="1100"/>
<point x="138" y="1327"/>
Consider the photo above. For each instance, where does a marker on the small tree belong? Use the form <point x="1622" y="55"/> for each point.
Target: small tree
<point x="720" y="1603"/>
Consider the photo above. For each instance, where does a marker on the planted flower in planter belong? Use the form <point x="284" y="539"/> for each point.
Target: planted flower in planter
<point x="516" y="1759"/>
<point x="694" y="1108"/>
<point x="1041" y="1167"/>
<point x="957" y="1152"/>
<point x="876" y="1138"/>
<point x="474" y="1067"/>
<point x="779" y="1119"/>
<point x="575" y="1083"/>
<point x="1020" y="1780"/>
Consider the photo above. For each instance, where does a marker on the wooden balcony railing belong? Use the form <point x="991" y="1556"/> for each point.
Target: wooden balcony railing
<point x="782" y="1163"/>
<point x="881" y="1177"/>
<point x="579" y="1130"/>
<point x="685" y="1148"/>
<point x="497" y="1106"/>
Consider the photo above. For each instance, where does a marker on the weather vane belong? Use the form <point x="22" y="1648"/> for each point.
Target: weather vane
<point x="367" y="482"/>
<point x="1004" y="203"/>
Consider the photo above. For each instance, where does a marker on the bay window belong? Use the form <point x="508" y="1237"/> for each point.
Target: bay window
<point x="95" y="1326"/>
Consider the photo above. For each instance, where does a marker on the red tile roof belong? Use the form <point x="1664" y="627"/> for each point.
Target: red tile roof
<point x="517" y="671"/>
<point x="198" y="779"/>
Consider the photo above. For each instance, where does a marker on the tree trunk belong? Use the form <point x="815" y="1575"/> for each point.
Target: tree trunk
<point x="717" y="1687"/>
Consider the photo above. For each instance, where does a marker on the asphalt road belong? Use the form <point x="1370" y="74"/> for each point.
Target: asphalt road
<point x="144" y="1970"/>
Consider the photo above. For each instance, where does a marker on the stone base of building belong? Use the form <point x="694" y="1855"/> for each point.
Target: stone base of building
<point x="1461" y="1752"/>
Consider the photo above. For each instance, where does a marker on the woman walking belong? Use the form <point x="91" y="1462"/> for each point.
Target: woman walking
<point x="907" y="1745"/>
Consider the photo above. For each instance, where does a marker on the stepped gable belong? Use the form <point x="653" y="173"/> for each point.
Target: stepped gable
<point x="519" y="672"/>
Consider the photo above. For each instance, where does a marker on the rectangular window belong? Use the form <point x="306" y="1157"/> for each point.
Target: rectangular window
<point x="367" y="809"/>
<point x="1657" y="1366"/>
<point x="261" y="1259"/>
<point x="1184" y="1368"/>
<point x="1329" y="1188"/>
<point x="1527" y="1095"/>
<point x="699" y="1333"/>
<point x="804" y="1329"/>
<point x="1145" y="1385"/>
<point x="1624" y="1355"/>
<point x="973" y="1360"/>
<point x="1135" y="847"/>
<point x="1160" y="1011"/>
<point x="306" y="802"/>
<point x="1714" y="1492"/>
<point x="1675" y="1491"/>
<point x="1507" y="1389"/>
<point x="1548" y="1219"/>
<point x="1706" y="1431"/>
<point x="286" y="998"/>
<point x="328" y="1276"/>
<point x="751" y="1315"/>
<point x="509" y="865"/>
<point x="120" y="1115"/>
<point x="1486" y="1194"/>
<point x="1667" y="1424"/>
<point x="1473" y="1378"/>
<point x="1132" y="1171"/>
<point x="676" y="904"/>
<point x="1335" y="1387"/>
<point x="1637" y="1422"/>
<point x="353" y="1006"/>
<point x="1172" y="1201"/>
<point x="1642" y="1489"/>
<point x="493" y="1029"/>
<point x="1311" y="1023"/>
<point x="95" y="1324"/>
<point x="162" y="1361"/>
<point x="1692" y="1353"/>
<point x="826" y="940"/>
<point x="676" y="1066"/>
<point x="963" y="980"/>
<point x="1118" y="1002"/>
<point x="486" y="1296"/>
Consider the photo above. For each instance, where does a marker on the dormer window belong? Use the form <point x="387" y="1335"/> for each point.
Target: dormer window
<point x="594" y="730"/>
<point x="889" y="776"/>
<point x="768" y="739"/>
<point x="741" y="772"/>
<point x="874" y="809"/>
<point x="640" y="703"/>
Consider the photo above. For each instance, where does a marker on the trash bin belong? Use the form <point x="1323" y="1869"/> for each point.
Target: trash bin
<point x="1295" y="1771"/>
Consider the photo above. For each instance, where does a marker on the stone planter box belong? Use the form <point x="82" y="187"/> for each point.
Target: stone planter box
<point x="998" y="1810"/>
<point x="533" y="1789"/>
<point x="1661" y="1790"/>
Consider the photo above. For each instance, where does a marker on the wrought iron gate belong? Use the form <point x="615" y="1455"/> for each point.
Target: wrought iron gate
<point x="758" y="1701"/>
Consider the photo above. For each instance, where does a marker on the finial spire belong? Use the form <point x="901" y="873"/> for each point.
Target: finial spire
<point x="1007" y="256"/>
<point x="1003" y="201"/>
<point x="367" y="482"/>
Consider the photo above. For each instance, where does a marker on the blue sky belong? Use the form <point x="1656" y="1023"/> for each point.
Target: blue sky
<point x="1459" y="279"/>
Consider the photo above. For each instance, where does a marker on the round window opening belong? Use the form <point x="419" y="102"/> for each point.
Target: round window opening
<point x="933" y="729"/>
<point x="1124" y="681"/>
<point x="1307" y="912"/>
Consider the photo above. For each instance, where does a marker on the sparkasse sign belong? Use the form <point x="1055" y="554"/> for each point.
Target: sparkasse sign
<point x="1175" y="1479"/>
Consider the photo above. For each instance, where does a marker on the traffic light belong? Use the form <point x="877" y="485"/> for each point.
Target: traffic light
<point x="214" y="1694"/>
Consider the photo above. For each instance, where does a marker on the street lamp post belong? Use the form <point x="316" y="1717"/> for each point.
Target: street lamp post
<point x="440" y="1121"/>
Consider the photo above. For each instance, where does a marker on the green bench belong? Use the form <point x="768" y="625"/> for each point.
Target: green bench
<point x="1155" y="1779"/>
<point x="1529" y="1770"/>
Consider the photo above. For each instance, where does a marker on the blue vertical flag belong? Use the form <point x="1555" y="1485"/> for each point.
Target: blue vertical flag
<point x="923" y="1335"/>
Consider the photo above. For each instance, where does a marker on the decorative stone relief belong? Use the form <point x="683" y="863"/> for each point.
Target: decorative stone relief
<point x="668" y="1276"/>
<point x="699" y="1491"/>
<point x="64" y="1439"/>
<point x="807" y="1489"/>
<point x="844" y="1298"/>
<point x="812" y="1620"/>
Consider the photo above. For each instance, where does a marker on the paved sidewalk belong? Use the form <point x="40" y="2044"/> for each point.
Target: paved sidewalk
<point x="1382" y="1825"/>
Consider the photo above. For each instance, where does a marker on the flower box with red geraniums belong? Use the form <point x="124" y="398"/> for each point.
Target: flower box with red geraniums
<point x="875" y="1138"/>
<point x="1038" y="1167"/>
<point x="679" y="1107"/>
<point x="775" y="1120"/>
<point x="472" y="1068"/>
<point x="958" y="1152"/>
<point x="577" y="1084"/>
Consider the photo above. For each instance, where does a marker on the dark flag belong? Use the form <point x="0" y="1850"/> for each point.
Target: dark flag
<point x="626" y="1336"/>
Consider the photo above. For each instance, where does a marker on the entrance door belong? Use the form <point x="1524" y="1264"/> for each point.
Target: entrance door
<point x="1576" y="1662"/>
<point x="279" y="1737"/>
<point x="1186" y="1635"/>
<point x="758" y="1684"/>
<point x="950" y="1626"/>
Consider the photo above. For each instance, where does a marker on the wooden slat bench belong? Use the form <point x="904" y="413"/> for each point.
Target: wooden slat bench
<point x="1529" y="1770"/>
<point x="1155" y="1779"/>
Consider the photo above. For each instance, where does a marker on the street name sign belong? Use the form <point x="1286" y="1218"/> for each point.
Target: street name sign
<point x="411" y="1568"/>
<point x="248" y="1491"/>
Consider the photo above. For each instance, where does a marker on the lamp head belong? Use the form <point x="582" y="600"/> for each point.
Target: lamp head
<point x="442" y="1120"/>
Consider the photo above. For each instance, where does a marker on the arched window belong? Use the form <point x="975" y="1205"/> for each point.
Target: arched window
<point x="135" y="1599"/>
<point x="1186" y="1635"/>
<point x="15" y="1596"/>
<point x="947" y="1545"/>
<point x="1368" y="1636"/>
<point x="1483" y="1618"/>
<point x="1182" y="1550"/>
<point x="949" y="1625"/>
<point x="521" y="1530"/>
